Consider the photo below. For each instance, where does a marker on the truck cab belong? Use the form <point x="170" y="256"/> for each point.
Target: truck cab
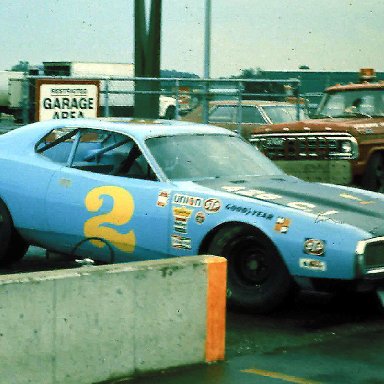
<point x="343" y="143"/>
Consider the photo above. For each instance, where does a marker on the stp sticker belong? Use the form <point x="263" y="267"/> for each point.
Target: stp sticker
<point x="212" y="205"/>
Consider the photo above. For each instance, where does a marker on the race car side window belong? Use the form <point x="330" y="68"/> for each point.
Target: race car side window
<point x="96" y="151"/>
<point x="57" y="145"/>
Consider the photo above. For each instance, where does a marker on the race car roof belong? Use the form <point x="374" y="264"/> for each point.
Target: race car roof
<point x="138" y="128"/>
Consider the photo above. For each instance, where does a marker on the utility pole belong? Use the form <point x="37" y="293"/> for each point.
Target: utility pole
<point x="147" y="59"/>
<point x="207" y="58"/>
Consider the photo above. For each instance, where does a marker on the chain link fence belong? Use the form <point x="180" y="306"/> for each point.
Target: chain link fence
<point x="174" y="97"/>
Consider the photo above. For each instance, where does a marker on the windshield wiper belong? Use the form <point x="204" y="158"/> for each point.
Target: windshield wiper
<point x="358" y="113"/>
<point x="321" y="115"/>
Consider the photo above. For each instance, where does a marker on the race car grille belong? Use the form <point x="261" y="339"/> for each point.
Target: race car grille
<point x="372" y="255"/>
<point x="292" y="146"/>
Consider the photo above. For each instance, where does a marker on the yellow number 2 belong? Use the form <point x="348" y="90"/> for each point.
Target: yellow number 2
<point x="120" y="214"/>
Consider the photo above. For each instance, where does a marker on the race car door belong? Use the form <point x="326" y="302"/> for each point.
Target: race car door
<point x="107" y="203"/>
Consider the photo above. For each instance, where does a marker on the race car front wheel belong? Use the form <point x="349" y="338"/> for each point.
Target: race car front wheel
<point x="258" y="279"/>
<point x="12" y="246"/>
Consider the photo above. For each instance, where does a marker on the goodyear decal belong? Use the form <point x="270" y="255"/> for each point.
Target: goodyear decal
<point x="249" y="211"/>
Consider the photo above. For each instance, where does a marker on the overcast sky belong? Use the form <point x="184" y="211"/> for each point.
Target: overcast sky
<point x="342" y="35"/>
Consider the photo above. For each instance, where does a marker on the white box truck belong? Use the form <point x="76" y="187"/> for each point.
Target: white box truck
<point x="11" y="92"/>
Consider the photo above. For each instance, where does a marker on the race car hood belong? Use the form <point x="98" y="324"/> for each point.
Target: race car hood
<point x="361" y="209"/>
<point x="355" y="126"/>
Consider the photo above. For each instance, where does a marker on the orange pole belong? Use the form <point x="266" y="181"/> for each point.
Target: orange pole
<point x="216" y="308"/>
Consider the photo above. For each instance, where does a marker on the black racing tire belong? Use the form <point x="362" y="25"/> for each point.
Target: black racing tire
<point x="257" y="280"/>
<point x="170" y="113"/>
<point x="12" y="246"/>
<point x="373" y="178"/>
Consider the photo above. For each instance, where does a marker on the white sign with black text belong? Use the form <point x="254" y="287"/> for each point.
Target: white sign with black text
<point x="68" y="100"/>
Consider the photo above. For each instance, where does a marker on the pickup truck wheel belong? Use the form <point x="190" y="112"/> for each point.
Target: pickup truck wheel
<point x="170" y="113"/>
<point x="258" y="279"/>
<point x="12" y="246"/>
<point x="373" y="178"/>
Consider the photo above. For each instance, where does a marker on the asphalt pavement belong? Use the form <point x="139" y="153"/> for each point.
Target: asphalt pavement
<point x="319" y="340"/>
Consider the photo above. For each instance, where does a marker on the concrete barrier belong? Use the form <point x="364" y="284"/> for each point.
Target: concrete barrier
<point x="93" y="324"/>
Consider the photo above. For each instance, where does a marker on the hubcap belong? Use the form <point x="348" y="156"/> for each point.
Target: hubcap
<point x="250" y="263"/>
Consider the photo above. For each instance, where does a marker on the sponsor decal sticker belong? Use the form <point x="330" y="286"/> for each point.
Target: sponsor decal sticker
<point x="212" y="205"/>
<point x="256" y="193"/>
<point x="191" y="201"/>
<point x="355" y="198"/>
<point x="314" y="265"/>
<point x="181" y="216"/>
<point x="367" y="125"/>
<point x="314" y="247"/>
<point x="249" y="211"/>
<point x="65" y="183"/>
<point x="263" y="195"/>
<point x="162" y="199"/>
<point x="303" y="206"/>
<point x="282" y="224"/>
<point x="181" y="242"/>
<point x="200" y="217"/>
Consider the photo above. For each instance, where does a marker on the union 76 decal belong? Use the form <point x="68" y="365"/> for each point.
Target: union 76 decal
<point x="121" y="213"/>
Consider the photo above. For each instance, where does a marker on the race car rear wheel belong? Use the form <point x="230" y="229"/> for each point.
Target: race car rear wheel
<point x="258" y="279"/>
<point x="12" y="246"/>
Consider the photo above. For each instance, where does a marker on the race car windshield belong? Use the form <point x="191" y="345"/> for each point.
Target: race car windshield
<point x="197" y="157"/>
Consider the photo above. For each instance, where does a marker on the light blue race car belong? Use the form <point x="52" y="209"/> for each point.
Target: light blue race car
<point x="127" y="190"/>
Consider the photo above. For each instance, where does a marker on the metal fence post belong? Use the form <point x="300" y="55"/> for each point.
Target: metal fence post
<point x="106" y="99"/>
<point x="25" y="100"/>
<point x="177" y="106"/>
<point x="297" y="94"/>
<point x="239" y="109"/>
<point x="205" y="102"/>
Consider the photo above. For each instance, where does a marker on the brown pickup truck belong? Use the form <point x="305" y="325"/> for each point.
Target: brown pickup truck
<point x="342" y="144"/>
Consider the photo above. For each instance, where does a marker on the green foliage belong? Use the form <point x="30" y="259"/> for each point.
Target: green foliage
<point x="22" y="66"/>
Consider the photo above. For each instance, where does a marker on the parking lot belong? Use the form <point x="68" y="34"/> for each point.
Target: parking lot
<point x="317" y="339"/>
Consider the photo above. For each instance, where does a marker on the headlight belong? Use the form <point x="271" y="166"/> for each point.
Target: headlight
<point x="370" y="256"/>
<point x="346" y="147"/>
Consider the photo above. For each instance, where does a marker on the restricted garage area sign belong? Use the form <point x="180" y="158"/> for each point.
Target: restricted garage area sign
<point x="66" y="99"/>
